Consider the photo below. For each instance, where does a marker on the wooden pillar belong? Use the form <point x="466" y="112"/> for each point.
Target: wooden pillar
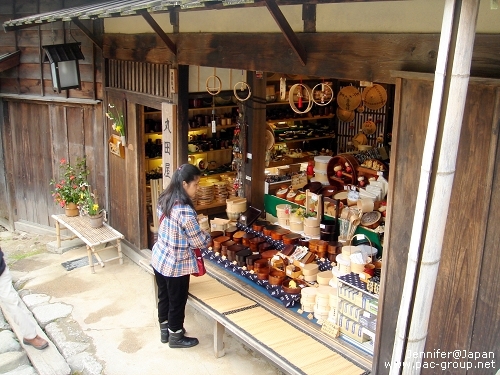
<point x="182" y="112"/>
<point x="256" y="153"/>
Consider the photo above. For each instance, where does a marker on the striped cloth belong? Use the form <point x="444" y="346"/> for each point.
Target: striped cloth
<point x="178" y="236"/>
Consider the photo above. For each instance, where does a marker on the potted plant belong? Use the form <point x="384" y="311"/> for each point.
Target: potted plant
<point x="68" y="188"/>
<point x="118" y="121"/>
<point x="90" y="206"/>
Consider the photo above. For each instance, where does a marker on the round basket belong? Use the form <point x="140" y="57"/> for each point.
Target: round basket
<point x="374" y="97"/>
<point x="345" y="116"/>
<point x="349" y="98"/>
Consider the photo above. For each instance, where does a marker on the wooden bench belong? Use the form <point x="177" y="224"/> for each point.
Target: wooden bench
<point x="93" y="237"/>
<point x="290" y="349"/>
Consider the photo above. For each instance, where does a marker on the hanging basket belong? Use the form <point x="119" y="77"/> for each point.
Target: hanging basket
<point x="349" y="98"/>
<point x="374" y="97"/>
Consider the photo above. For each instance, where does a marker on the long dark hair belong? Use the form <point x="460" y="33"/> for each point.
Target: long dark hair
<point x="175" y="192"/>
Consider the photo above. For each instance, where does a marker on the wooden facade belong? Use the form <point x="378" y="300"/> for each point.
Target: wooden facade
<point x="130" y="72"/>
<point x="464" y="297"/>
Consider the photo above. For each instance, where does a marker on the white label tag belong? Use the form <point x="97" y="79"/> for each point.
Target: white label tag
<point x="214" y="126"/>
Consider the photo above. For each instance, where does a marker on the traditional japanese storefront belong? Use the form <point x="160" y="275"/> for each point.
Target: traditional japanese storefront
<point x="147" y="73"/>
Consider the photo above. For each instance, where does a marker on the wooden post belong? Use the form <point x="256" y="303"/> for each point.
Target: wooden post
<point x="458" y="30"/>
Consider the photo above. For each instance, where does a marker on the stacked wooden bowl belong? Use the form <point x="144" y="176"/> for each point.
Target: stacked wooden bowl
<point x="205" y="194"/>
<point x="220" y="192"/>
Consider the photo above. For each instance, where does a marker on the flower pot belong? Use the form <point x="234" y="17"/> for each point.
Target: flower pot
<point x="96" y="221"/>
<point x="124" y="143"/>
<point x="71" y="209"/>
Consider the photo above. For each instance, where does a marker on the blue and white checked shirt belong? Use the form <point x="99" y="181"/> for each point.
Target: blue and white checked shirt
<point x="178" y="236"/>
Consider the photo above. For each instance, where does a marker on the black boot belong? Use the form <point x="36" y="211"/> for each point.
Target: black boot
<point x="164" y="332"/>
<point x="178" y="340"/>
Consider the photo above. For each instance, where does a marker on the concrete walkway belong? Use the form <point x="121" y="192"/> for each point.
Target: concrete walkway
<point x="104" y="323"/>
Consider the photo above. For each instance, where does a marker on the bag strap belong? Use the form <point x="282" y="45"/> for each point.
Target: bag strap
<point x="161" y="218"/>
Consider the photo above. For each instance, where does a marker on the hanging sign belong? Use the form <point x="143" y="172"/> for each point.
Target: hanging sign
<point x="169" y="141"/>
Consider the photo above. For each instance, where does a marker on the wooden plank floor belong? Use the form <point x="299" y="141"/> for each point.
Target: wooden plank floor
<point x="296" y="347"/>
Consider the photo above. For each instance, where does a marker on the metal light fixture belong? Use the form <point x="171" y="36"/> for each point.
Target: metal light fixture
<point x="64" y="67"/>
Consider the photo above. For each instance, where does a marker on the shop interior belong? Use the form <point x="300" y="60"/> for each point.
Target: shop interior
<point x="316" y="245"/>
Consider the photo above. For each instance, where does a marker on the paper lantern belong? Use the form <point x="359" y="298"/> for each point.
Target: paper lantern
<point x="374" y="97"/>
<point x="346" y="116"/>
<point x="349" y="98"/>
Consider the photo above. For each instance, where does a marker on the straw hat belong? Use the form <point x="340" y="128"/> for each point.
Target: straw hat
<point x="369" y="127"/>
<point x="346" y="116"/>
<point x="359" y="139"/>
<point x="374" y="97"/>
<point x="349" y="98"/>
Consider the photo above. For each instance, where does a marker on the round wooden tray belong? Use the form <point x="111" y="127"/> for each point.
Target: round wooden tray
<point x="350" y="178"/>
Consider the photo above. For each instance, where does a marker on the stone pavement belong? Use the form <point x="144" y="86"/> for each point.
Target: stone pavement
<point x="104" y="323"/>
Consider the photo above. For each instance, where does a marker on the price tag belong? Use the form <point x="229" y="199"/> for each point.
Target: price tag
<point x="330" y="328"/>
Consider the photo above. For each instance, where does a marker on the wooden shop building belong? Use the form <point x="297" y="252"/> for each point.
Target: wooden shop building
<point x="151" y="60"/>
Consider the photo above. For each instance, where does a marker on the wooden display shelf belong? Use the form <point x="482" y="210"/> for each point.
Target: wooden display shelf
<point x="218" y="127"/>
<point x="153" y="133"/>
<point x="365" y="171"/>
<point x="211" y="205"/>
<point x="304" y="139"/>
<point x="300" y="118"/>
<point x="156" y="158"/>
<point x="210" y="151"/>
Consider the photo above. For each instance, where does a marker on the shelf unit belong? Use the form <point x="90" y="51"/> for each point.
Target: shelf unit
<point x="150" y="120"/>
<point x="318" y="121"/>
<point x="357" y="311"/>
<point x="215" y="148"/>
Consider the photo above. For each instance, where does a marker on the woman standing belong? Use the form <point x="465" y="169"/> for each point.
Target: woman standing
<point x="173" y="257"/>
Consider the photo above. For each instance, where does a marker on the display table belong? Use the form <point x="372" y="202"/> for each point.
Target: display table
<point x="271" y="201"/>
<point x="93" y="237"/>
<point x="264" y="325"/>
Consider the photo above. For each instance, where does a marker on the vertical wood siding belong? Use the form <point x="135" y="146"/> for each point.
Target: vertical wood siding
<point x="465" y="314"/>
<point x="40" y="136"/>
<point x="144" y="78"/>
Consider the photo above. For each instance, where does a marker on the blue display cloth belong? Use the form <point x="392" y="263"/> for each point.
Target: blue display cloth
<point x="291" y="301"/>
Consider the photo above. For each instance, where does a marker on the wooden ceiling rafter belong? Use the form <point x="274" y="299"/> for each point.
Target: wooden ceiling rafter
<point x="10" y="60"/>
<point x="158" y="30"/>
<point x="89" y="34"/>
<point x="287" y="31"/>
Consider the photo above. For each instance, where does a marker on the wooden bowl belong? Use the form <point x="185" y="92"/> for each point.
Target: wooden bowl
<point x="287" y="289"/>
<point x="276" y="277"/>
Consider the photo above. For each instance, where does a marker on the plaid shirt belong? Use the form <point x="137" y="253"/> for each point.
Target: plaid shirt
<point x="178" y="236"/>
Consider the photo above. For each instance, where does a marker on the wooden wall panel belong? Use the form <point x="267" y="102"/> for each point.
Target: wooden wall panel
<point x="456" y="292"/>
<point x="486" y="324"/>
<point x="42" y="135"/>
<point x="409" y="131"/>
<point x="465" y="314"/>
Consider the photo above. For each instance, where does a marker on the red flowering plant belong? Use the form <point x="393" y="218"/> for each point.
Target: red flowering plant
<point x="72" y="182"/>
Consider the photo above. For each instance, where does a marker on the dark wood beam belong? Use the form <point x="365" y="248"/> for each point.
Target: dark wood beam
<point x="97" y="41"/>
<point x="348" y="56"/>
<point x="174" y="21"/>
<point x="287" y="31"/>
<point x="309" y="17"/>
<point x="9" y="60"/>
<point x="158" y="30"/>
